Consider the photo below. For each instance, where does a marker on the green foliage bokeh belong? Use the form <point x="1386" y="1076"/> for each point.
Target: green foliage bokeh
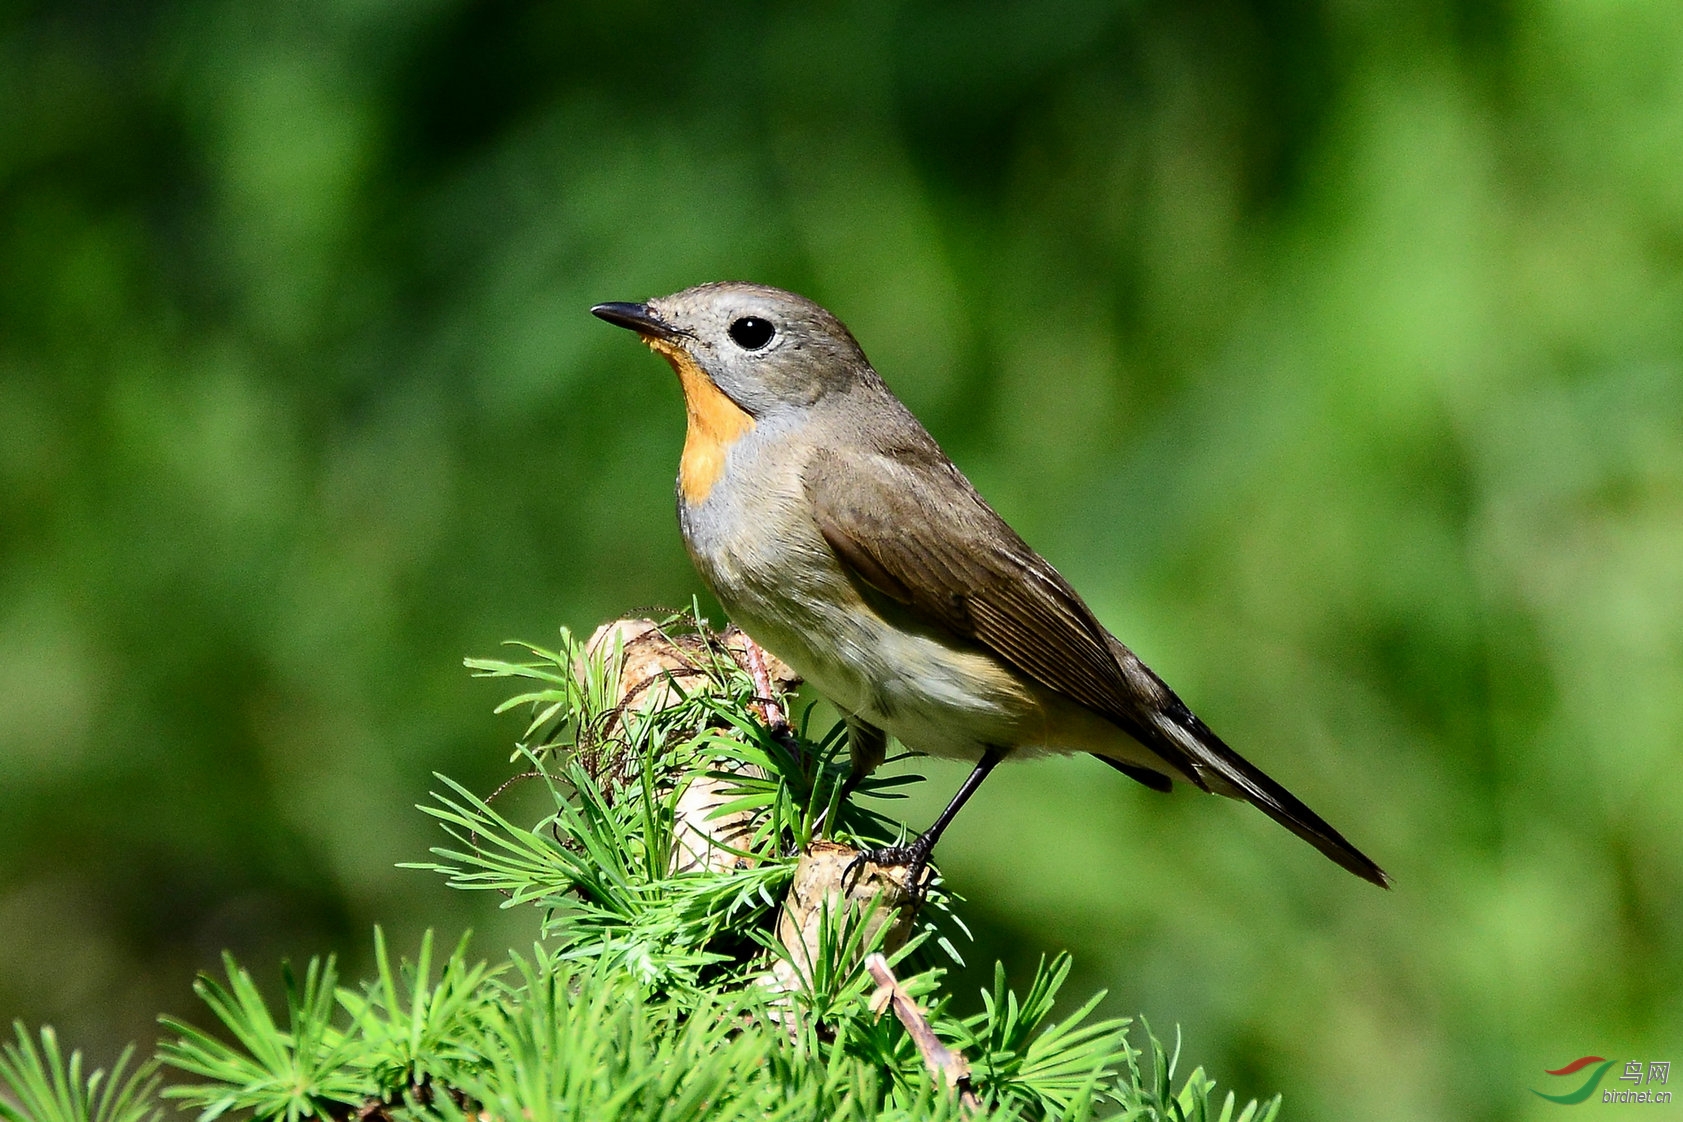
<point x="1335" y="352"/>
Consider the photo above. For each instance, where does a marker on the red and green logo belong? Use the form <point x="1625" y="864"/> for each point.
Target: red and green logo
<point x="1572" y="1097"/>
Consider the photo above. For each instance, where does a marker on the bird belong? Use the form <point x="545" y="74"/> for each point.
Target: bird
<point x="834" y="530"/>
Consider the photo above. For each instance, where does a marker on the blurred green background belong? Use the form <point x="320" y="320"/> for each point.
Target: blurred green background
<point x="1335" y="351"/>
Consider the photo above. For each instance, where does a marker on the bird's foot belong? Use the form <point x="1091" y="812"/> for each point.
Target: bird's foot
<point x="912" y="856"/>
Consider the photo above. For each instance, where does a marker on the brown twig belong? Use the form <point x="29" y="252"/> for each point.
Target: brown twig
<point x="775" y="718"/>
<point x="941" y="1061"/>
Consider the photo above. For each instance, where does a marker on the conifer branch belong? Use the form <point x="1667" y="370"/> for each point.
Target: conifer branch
<point x="701" y="955"/>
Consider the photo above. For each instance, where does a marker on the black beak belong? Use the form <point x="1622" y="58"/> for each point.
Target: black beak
<point x="635" y="317"/>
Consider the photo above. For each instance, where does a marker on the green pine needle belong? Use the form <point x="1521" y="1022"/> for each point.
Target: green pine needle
<point x="41" y="1085"/>
<point x="646" y="996"/>
<point x="304" y="1071"/>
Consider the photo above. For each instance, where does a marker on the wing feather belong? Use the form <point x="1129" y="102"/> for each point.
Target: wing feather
<point x="920" y="534"/>
<point x="911" y="526"/>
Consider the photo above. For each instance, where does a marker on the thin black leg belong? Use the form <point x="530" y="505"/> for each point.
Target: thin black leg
<point x="929" y="837"/>
<point x="915" y="854"/>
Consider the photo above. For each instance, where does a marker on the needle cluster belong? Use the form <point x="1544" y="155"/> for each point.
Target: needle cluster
<point x="658" y="985"/>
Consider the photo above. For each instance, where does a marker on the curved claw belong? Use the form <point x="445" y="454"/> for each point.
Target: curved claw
<point x="850" y="875"/>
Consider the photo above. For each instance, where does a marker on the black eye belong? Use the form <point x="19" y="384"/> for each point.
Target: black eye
<point x="751" y="332"/>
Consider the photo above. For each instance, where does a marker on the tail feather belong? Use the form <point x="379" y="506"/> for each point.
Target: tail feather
<point x="1229" y="773"/>
<point x="1152" y="778"/>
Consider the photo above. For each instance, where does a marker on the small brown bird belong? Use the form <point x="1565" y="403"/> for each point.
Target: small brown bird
<point x="836" y="532"/>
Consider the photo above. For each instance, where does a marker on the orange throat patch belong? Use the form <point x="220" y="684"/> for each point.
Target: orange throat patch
<point x="715" y="423"/>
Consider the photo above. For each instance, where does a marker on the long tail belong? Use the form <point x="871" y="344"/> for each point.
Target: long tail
<point x="1229" y="773"/>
